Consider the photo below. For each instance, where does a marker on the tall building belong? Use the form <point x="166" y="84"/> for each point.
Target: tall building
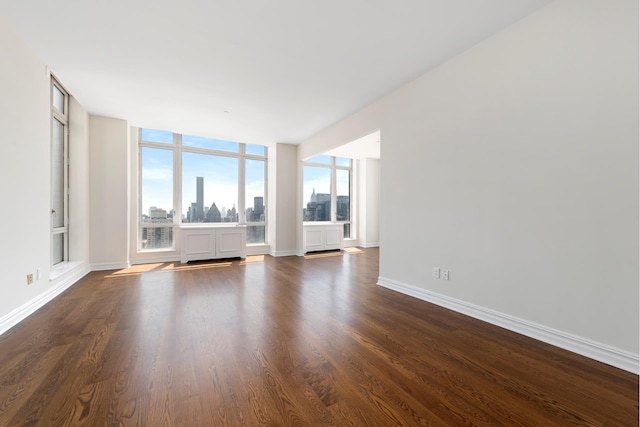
<point x="342" y="205"/>
<point x="199" y="198"/>
<point x="258" y="209"/>
<point x="213" y="214"/>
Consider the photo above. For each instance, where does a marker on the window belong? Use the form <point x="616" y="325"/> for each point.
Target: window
<point x="59" y="173"/>
<point x="187" y="179"/>
<point x="156" y="216"/>
<point x="255" y="214"/>
<point x="317" y="193"/>
<point x="327" y="183"/>
<point x="209" y="188"/>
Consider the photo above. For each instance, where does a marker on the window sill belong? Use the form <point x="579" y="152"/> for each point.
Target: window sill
<point x="61" y="269"/>
<point x="155" y="251"/>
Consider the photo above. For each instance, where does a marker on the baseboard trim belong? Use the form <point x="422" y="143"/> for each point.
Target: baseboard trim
<point x="283" y="253"/>
<point x="258" y="250"/>
<point x="612" y="356"/>
<point x="172" y="258"/>
<point x="111" y="266"/>
<point x="369" y="245"/>
<point x="61" y="284"/>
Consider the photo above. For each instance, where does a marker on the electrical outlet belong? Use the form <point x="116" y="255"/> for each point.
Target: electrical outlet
<point x="436" y="272"/>
<point x="445" y="274"/>
<point x="29" y="279"/>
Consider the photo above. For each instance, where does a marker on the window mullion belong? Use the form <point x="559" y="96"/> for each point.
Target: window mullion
<point x="177" y="179"/>
<point x="241" y="187"/>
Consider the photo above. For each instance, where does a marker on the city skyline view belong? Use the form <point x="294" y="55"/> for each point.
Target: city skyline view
<point x="220" y="173"/>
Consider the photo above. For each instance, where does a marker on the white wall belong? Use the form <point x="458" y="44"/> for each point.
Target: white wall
<point x="283" y="219"/>
<point x="79" y="210"/>
<point x="368" y="197"/>
<point x="25" y="183"/>
<point x="516" y="164"/>
<point x="109" y="193"/>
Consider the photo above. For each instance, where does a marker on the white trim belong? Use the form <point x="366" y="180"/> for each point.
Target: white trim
<point x="603" y="353"/>
<point x="171" y="258"/>
<point x="283" y="253"/>
<point x="110" y="266"/>
<point x="369" y="245"/>
<point x="19" y="314"/>
<point x="258" y="250"/>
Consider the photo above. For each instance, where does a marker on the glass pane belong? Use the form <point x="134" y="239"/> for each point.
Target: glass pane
<point x="316" y="193"/>
<point x="157" y="186"/>
<point x="57" y="174"/>
<point x="153" y="135"/>
<point x="57" y="248"/>
<point x="209" y="188"/>
<point x="156" y="237"/>
<point x="255" y="234"/>
<point x="322" y="158"/>
<point x="343" y="161"/>
<point x="214" y="144"/>
<point x="347" y="231"/>
<point x="342" y="195"/>
<point x="257" y="150"/>
<point x="57" y="99"/>
<point x="254" y="191"/>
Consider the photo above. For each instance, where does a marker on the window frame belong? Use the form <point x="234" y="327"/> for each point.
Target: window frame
<point x="63" y="118"/>
<point x="178" y="149"/>
<point x="334" y="167"/>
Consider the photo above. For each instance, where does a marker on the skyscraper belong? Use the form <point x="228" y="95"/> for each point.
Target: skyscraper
<point x="258" y="209"/>
<point x="199" y="198"/>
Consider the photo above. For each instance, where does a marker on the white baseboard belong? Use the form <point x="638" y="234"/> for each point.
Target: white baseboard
<point x="154" y="260"/>
<point x="369" y="245"/>
<point x="112" y="266"/>
<point x="283" y="253"/>
<point x="258" y="249"/>
<point x="61" y="284"/>
<point x="612" y="356"/>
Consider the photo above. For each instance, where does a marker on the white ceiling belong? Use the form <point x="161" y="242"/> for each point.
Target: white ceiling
<point x="253" y="71"/>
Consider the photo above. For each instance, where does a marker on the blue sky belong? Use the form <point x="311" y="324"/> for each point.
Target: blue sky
<point x="320" y="178"/>
<point x="220" y="173"/>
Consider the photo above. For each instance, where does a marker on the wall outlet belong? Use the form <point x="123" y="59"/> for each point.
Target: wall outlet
<point x="436" y="272"/>
<point x="445" y="274"/>
<point x="29" y="279"/>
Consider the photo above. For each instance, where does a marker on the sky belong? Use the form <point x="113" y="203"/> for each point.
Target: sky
<point x="220" y="173"/>
<point x="319" y="177"/>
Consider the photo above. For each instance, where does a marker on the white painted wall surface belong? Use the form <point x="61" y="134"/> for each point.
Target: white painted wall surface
<point x="285" y="217"/>
<point x="79" y="206"/>
<point x="520" y="159"/>
<point x="368" y="202"/>
<point x="109" y="193"/>
<point x="25" y="182"/>
<point x="372" y="207"/>
<point x="516" y="165"/>
<point x="25" y="169"/>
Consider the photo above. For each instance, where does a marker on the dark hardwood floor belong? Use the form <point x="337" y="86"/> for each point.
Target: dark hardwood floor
<point x="286" y="341"/>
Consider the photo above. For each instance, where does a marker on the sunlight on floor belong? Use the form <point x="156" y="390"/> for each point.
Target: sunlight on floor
<point x="137" y="269"/>
<point x="353" y="250"/>
<point x="250" y="259"/>
<point x="322" y="254"/>
<point x="197" y="266"/>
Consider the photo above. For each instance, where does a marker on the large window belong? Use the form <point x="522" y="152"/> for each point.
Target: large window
<point x="187" y="179"/>
<point x="156" y="216"/>
<point x="59" y="173"/>
<point x="327" y="184"/>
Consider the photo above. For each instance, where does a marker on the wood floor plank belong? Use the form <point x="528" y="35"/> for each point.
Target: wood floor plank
<point x="305" y="341"/>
